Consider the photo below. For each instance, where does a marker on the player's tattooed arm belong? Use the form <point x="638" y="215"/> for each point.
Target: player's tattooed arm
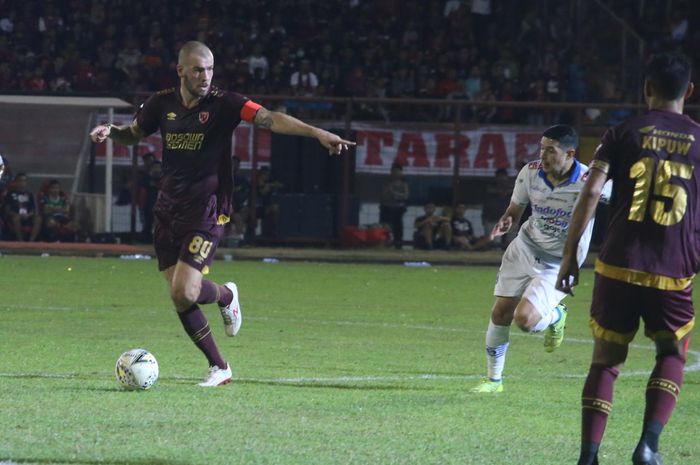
<point x="263" y="118"/>
<point x="284" y="124"/>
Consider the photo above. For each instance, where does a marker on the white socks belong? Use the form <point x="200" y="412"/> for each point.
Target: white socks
<point x="551" y="317"/>
<point x="497" y="338"/>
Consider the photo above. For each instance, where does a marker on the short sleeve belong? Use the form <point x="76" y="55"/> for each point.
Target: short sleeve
<point x="148" y="115"/>
<point x="521" y="195"/>
<point x="241" y="107"/>
<point x="604" y="151"/>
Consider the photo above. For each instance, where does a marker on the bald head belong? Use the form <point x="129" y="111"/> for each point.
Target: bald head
<point x="193" y="48"/>
<point x="195" y="67"/>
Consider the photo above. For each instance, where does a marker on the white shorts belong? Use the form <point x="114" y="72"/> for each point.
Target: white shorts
<point x="525" y="275"/>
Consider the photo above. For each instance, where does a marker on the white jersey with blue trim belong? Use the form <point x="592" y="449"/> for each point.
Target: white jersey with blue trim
<point x="552" y="206"/>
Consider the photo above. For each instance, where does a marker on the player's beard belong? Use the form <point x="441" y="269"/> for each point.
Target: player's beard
<point x="194" y="90"/>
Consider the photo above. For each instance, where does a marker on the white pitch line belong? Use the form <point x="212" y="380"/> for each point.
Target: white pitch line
<point x="693" y="367"/>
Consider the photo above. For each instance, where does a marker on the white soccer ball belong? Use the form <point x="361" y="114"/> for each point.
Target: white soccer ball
<point x="137" y="369"/>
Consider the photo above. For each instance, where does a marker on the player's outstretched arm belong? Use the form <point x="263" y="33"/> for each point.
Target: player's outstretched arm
<point x="583" y="212"/>
<point x="285" y="124"/>
<point x="125" y="135"/>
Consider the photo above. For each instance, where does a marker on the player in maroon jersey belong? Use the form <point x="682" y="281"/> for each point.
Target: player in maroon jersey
<point x="196" y="122"/>
<point x="650" y="253"/>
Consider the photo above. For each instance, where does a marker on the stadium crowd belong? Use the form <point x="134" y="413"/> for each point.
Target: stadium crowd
<point x="456" y="49"/>
<point x="484" y="50"/>
<point x="24" y="216"/>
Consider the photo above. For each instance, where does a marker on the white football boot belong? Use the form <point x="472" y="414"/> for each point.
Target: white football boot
<point x="217" y="376"/>
<point x="232" y="313"/>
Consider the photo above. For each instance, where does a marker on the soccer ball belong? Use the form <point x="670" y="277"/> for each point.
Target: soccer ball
<point x="137" y="369"/>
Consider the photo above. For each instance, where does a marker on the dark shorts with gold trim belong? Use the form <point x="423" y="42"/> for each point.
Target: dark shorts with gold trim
<point x="618" y="306"/>
<point x="194" y="245"/>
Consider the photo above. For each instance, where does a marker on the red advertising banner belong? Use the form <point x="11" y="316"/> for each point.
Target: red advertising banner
<point x="422" y="152"/>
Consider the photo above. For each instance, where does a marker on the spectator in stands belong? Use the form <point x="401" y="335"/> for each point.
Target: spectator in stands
<point x="472" y="85"/>
<point x="277" y="82"/>
<point x="304" y="81"/>
<point x="507" y="93"/>
<point x="506" y="67"/>
<point x="5" y="175"/>
<point x="463" y="236"/>
<point x="129" y="57"/>
<point x="21" y="216"/>
<point x="55" y="210"/>
<point x="403" y="83"/>
<point x="393" y="203"/>
<point x="258" y="61"/>
<point x="536" y="93"/>
<point x="497" y="199"/>
<point x="462" y="230"/>
<point x="447" y="112"/>
<point x="432" y="231"/>
<point x="80" y="46"/>
<point x="485" y="114"/>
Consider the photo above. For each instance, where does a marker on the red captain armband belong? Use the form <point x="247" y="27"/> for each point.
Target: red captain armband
<point x="249" y="110"/>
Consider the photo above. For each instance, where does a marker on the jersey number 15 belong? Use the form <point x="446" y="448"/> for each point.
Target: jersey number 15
<point x="643" y="174"/>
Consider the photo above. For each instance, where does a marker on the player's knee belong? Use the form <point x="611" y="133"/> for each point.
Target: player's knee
<point x="523" y="321"/>
<point x="502" y="313"/>
<point x="183" y="296"/>
<point x="670" y="347"/>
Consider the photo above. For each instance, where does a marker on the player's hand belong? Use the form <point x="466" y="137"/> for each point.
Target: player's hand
<point x="334" y="143"/>
<point x="100" y="133"/>
<point x="502" y="227"/>
<point x="567" y="278"/>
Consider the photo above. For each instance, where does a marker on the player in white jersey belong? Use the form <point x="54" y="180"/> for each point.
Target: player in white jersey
<point x="525" y="290"/>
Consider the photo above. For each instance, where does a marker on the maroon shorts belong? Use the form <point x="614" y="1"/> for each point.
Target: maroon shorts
<point x="618" y="306"/>
<point x="194" y="245"/>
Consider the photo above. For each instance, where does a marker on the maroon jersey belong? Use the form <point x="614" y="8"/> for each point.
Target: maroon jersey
<point x="652" y="238"/>
<point x="197" y="180"/>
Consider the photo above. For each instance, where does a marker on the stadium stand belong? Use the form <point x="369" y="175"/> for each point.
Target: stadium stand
<point x="402" y="49"/>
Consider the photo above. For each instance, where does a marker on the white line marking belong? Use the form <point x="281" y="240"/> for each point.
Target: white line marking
<point x="692" y="367"/>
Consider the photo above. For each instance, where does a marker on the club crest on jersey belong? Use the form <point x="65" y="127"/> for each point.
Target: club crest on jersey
<point x="203" y="117"/>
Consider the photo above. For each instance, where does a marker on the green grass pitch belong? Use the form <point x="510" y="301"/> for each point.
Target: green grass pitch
<point x="334" y="364"/>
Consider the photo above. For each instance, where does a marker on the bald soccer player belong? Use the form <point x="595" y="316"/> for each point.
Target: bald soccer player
<point x="196" y="122"/>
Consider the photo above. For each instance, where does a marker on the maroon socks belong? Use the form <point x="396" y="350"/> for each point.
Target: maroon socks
<point x="662" y="393"/>
<point x="197" y="327"/>
<point x="596" y="405"/>
<point x="212" y="292"/>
